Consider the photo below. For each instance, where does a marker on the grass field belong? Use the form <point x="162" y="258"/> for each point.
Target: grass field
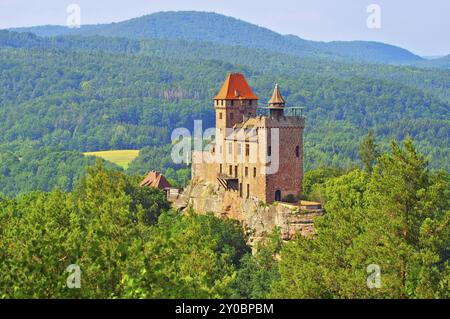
<point x="120" y="157"/>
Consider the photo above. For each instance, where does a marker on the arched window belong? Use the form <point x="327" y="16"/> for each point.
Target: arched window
<point x="278" y="196"/>
<point x="297" y="151"/>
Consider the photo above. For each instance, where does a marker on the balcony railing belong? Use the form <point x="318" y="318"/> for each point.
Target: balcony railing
<point x="288" y="111"/>
<point x="226" y="176"/>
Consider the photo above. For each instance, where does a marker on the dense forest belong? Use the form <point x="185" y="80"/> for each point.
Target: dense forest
<point x="128" y="85"/>
<point x="129" y="243"/>
<point x="75" y="93"/>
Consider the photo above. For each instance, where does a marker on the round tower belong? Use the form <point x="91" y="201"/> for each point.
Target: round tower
<point x="276" y="103"/>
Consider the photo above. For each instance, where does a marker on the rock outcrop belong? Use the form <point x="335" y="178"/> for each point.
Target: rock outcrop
<point x="258" y="218"/>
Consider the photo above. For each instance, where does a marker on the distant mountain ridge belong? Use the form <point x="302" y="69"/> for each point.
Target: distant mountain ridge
<point x="442" y="62"/>
<point x="216" y="28"/>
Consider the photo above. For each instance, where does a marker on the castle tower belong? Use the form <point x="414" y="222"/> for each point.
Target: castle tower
<point x="276" y="103"/>
<point x="256" y="156"/>
<point x="234" y="101"/>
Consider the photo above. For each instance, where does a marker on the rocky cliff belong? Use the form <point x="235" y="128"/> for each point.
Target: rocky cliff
<point x="256" y="217"/>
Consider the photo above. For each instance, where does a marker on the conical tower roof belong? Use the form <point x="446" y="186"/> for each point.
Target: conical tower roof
<point x="276" y="99"/>
<point x="235" y="87"/>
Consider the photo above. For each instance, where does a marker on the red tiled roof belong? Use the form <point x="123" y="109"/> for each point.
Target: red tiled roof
<point x="235" y="88"/>
<point x="155" y="180"/>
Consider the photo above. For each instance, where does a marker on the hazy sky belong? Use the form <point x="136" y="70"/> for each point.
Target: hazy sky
<point x="422" y="26"/>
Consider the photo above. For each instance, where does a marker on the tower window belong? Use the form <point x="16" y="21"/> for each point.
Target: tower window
<point x="247" y="149"/>
<point x="269" y="150"/>
<point x="232" y="102"/>
<point x="297" y="151"/>
<point x="250" y="102"/>
<point x="246" y="172"/>
<point x="220" y="169"/>
<point x="239" y="151"/>
<point x="254" y="171"/>
<point x="231" y="170"/>
<point x="248" y="190"/>
<point x="235" y="171"/>
<point x="220" y="115"/>
<point x="230" y="148"/>
<point x="231" y="116"/>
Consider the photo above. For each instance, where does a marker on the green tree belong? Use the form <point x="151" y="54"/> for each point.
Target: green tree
<point x="368" y="151"/>
<point x="395" y="217"/>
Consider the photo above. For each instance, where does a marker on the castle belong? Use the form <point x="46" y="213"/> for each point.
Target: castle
<point x="257" y="152"/>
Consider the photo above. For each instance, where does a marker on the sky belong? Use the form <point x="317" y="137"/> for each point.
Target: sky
<point x="421" y="26"/>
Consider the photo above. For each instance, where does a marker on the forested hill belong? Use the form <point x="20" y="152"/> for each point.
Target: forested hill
<point x="76" y="93"/>
<point x="216" y="28"/>
<point x="443" y="63"/>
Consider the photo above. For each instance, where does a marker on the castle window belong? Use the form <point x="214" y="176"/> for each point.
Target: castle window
<point x="297" y="151"/>
<point x="236" y="171"/>
<point x="231" y="116"/>
<point x="240" y="190"/>
<point x="220" y="150"/>
<point x="246" y="172"/>
<point x="231" y="170"/>
<point x="250" y="102"/>
<point x="269" y="150"/>
<point x="247" y="149"/>
<point x="220" y="115"/>
<point x="220" y="169"/>
<point x="254" y="171"/>
<point x="239" y="151"/>
<point x="230" y="148"/>
<point x="248" y="190"/>
<point x="232" y="102"/>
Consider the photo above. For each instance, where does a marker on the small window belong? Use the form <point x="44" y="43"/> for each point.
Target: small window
<point x="250" y="102"/>
<point x="246" y="172"/>
<point x="232" y="102"/>
<point x="239" y="151"/>
<point x="247" y="149"/>
<point x="254" y="171"/>
<point x="220" y="169"/>
<point x="231" y="170"/>
<point x="240" y="190"/>
<point x="220" y="115"/>
<point x="248" y="190"/>
<point x="231" y="116"/>
<point x="297" y="151"/>
<point x="230" y="148"/>
<point x="269" y="150"/>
